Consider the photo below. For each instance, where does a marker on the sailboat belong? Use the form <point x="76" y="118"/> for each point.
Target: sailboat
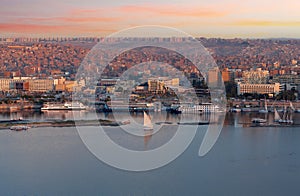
<point x="277" y="117"/>
<point x="290" y="120"/>
<point x="147" y="122"/>
<point x="287" y="116"/>
<point x="292" y="107"/>
<point x="264" y="111"/>
<point x="284" y="116"/>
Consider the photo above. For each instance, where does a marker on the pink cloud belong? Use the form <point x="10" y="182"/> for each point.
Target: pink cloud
<point x="172" y="10"/>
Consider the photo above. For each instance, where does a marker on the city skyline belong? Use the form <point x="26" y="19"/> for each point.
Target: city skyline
<point x="226" y="19"/>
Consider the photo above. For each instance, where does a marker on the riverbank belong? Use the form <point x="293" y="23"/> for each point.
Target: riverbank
<point x="60" y="123"/>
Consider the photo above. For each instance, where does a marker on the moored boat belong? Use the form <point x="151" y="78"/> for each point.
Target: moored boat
<point x="64" y="106"/>
<point x="235" y="110"/>
<point x="258" y="120"/>
<point x="200" y="108"/>
<point x="246" y="109"/>
<point x="19" y="128"/>
<point x="265" y="110"/>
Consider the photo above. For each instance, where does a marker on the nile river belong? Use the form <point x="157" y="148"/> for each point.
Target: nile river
<point x="244" y="161"/>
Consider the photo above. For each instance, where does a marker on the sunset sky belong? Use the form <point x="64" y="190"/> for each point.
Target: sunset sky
<point x="210" y="18"/>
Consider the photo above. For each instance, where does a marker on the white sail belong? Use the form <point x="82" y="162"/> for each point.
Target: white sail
<point x="284" y="117"/>
<point x="291" y="117"/>
<point x="264" y="111"/>
<point x="147" y="121"/>
<point x="266" y="105"/>
<point x="277" y="116"/>
<point x="292" y="107"/>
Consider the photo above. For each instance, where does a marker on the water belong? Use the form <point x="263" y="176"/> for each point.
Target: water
<point x="244" y="161"/>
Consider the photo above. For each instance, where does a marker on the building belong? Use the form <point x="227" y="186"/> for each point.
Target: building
<point x="158" y="85"/>
<point x="227" y="75"/>
<point x="287" y="79"/>
<point x="108" y="82"/>
<point x="243" y="88"/>
<point x="71" y="86"/>
<point x="257" y="76"/>
<point x="7" y="84"/>
<point x="41" y="85"/>
<point x="26" y="84"/>
<point x="214" y="77"/>
<point x="155" y="86"/>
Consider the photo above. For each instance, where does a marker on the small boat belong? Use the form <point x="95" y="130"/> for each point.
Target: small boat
<point x="164" y="123"/>
<point x="147" y="122"/>
<point x="277" y="117"/>
<point x="264" y="111"/>
<point x="258" y="120"/>
<point x="246" y="109"/>
<point x="292" y="107"/>
<point x="125" y="122"/>
<point x="194" y="123"/>
<point x="235" y="110"/>
<point x="19" y="128"/>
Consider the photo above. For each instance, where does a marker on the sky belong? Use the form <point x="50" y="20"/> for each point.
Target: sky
<point x="199" y="18"/>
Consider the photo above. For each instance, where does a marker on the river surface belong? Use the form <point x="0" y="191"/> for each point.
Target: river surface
<point x="244" y="161"/>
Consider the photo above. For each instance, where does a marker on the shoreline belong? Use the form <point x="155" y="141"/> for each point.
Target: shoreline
<point x="67" y="123"/>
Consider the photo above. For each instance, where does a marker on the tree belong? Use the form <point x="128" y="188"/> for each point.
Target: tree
<point x="287" y="95"/>
<point x="231" y="89"/>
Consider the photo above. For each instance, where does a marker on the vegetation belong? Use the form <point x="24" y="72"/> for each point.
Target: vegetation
<point x="287" y="95"/>
<point x="231" y="89"/>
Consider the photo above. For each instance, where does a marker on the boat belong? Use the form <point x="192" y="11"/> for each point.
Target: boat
<point x="277" y="117"/>
<point x="194" y="123"/>
<point x="19" y="127"/>
<point x="246" y="109"/>
<point x="147" y="122"/>
<point x="174" y="110"/>
<point x="125" y="122"/>
<point x="287" y="117"/>
<point x="235" y="110"/>
<point x="292" y="107"/>
<point x="258" y="120"/>
<point x="199" y="109"/>
<point x="264" y="111"/>
<point x="64" y="106"/>
<point x="14" y="120"/>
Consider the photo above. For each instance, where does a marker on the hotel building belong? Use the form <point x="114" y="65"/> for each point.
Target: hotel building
<point x="243" y="88"/>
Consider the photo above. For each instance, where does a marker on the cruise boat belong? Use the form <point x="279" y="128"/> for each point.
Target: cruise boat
<point x="64" y="106"/>
<point x="201" y="108"/>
